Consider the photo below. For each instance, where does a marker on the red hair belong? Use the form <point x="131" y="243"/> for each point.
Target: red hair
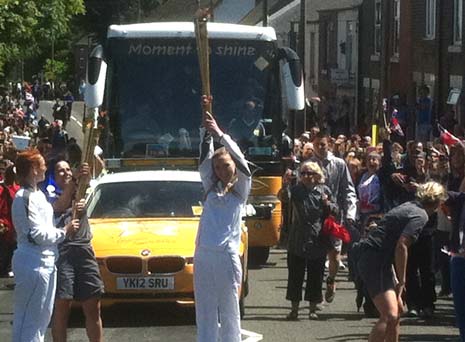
<point x="27" y="160"/>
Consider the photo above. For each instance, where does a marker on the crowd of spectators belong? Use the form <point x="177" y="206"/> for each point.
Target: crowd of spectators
<point x="384" y="176"/>
<point x="22" y="127"/>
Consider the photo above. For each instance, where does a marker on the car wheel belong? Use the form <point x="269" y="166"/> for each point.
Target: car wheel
<point x="258" y="255"/>
<point x="242" y="307"/>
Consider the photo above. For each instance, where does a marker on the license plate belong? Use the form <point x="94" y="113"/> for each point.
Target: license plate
<point x="145" y="283"/>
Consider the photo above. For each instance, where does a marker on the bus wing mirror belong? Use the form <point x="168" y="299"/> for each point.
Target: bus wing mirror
<point x="96" y="73"/>
<point x="292" y="77"/>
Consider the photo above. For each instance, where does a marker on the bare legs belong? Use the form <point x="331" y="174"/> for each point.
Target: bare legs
<point x="91" y="309"/>
<point x="387" y="327"/>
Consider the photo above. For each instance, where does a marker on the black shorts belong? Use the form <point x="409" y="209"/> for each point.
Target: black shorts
<point x="375" y="272"/>
<point x="78" y="275"/>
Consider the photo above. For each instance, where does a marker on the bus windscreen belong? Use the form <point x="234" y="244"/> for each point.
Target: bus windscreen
<point x="156" y="91"/>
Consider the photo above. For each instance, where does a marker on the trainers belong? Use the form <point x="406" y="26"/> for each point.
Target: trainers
<point x="330" y="290"/>
<point x="312" y="311"/>
<point x="412" y="313"/>
<point x="427" y="313"/>
<point x="313" y="316"/>
<point x="444" y="294"/>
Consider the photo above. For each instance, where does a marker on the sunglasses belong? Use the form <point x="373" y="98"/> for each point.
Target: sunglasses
<point x="308" y="173"/>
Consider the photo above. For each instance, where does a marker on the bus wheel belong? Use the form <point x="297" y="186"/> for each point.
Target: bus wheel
<point x="258" y="255"/>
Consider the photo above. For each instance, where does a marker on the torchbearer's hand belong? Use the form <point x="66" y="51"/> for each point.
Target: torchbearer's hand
<point x="80" y="207"/>
<point x="72" y="227"/>
<point x="84" y="170"/>
<point x="212" y="126"/>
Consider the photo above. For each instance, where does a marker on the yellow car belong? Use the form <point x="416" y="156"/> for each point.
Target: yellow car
<point x="144" y="225"/>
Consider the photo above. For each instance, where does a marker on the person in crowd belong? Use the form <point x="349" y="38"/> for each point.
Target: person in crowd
<point x="420" y="293"/>
<point x="307" y="152"/>
<point x="35" y="257"/>
<point x="226" y="180"/>
<point x="8" y="190"/>
<point x="78" y="276"/>
<point x="355" y="169"/>
<point x="396" y="154"/>
<point x="386" y="249"/>
<point x="456" y="205"/>
<point x="424" y="114"/>
<point x="369" y="189"/>
<point x="247" y="128"/>
<point x="338" y="179"/>
<point x="306" y="249"/>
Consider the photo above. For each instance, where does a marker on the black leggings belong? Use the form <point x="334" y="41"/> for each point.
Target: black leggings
<point x="296" y="272"/>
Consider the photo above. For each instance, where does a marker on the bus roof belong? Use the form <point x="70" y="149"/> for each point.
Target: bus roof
<point x="186" y="30"/>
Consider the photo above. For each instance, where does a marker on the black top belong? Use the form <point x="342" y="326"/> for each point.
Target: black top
<point x="81" y="238"/>
<point x="308" y="213"/>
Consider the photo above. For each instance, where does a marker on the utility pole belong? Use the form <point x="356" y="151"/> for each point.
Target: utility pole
<point x="301" y="50"/>
<point x="265" y="12"/>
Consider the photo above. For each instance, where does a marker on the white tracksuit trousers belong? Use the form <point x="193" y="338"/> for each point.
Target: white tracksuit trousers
<point x="217" y="278"/>
<point x="35" y="278"/>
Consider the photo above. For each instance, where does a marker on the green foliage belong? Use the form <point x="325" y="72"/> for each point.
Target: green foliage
<point x="29" y="26"/>
<point x="55" y="70"/>
<point x="102" y="13"/>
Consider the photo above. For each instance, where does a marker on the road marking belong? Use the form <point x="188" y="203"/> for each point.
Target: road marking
<point x="76" y="120"/>
<point x="251" y="336"/>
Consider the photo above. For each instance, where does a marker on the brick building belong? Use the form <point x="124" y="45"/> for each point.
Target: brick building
<point x="408" y="44"/>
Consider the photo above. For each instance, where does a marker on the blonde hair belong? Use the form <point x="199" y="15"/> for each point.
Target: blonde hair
<point x="430" y="193"/>
<point x="314" y="167"/>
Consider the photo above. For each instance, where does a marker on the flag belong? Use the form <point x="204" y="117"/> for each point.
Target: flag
<point x="395" y="125"/>
<point x="448" y="138"/>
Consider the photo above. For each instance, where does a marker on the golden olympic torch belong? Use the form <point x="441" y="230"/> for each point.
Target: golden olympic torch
<point x="93" y="96"/>
<point x="201" y="35"/>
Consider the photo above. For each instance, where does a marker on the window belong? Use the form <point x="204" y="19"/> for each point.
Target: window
<point x="396" y="27"/>
<point x="348" y="45"/>
<point x="378" y="17"/>
<point x="430" y="18"/>
<point x="458" y="21"/>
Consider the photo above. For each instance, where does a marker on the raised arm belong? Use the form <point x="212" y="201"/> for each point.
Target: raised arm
<point x="205" y="159"/>
<point x="242" y="187"/>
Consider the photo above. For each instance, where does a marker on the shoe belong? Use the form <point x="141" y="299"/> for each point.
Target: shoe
<point x="313" y="308"/>
<point x="319" y="307"/>
<point x="444" y="294"/>
<point x="312" y="316"/>
<point x="330" y="290"/>
<point x="412" y="313"/>
<point x="427" y="313"/>
<point x="293" y="315"/>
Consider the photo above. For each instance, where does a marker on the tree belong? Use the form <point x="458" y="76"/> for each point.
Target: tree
<point x="29" y="26"/>
<point x="102" y="13"/>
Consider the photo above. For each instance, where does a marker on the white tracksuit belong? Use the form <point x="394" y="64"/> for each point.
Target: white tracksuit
<point x="34" y="265"/>
<point x="217" y="266"/>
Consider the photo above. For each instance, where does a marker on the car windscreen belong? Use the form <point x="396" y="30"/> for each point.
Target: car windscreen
<point x="146" y="199"/>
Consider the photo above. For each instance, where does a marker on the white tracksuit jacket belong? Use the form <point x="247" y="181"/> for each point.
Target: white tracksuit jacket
<point x="34" y="265"/>
<point x="217" y="266"/>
